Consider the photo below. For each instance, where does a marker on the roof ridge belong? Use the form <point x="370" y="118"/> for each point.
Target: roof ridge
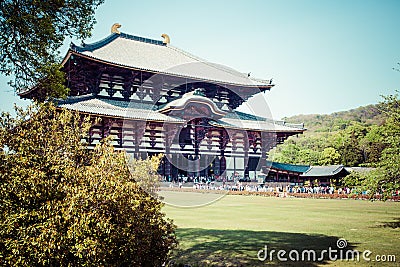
<point x="95" y="45"/>
<point x="142" y="39"/>
<point x="108" y="39"/>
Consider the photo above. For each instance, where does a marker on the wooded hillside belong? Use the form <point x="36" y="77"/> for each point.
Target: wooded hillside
<point x="368" y="115"/>
<point x="351" y="138"/>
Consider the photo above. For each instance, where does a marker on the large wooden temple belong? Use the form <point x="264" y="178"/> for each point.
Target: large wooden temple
<point x="154" y="98"/>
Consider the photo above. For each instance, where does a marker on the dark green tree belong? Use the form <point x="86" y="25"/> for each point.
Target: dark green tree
<point x="329" y="156"/>
<point x="350" y="151"/>
<point x="32" y="31"/>
<point x="372" y="145"/>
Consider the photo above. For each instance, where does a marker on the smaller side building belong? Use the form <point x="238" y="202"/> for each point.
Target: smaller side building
<point x="285" y="174"/>
<point x="324" y="175"/>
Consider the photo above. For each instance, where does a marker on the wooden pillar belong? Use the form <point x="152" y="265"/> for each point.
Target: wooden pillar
<point x="140" y="128"/>
<point x="106" y="124"/>
<point x="120" y="136"/>
<point x="223" y="166"/>
<point x="167" y="169"/>
<point x="196" y="141"/>
<point x="246" y="163"/>
<point x="168" y="166"/>
<point x="137" y="142"/>
<point x="223" y="141"/>
<point x="246" y="147"/>
<point x="169" y="134"/>
<point x="217" y="166"/>
<point x="264" y="148"/>
<point x="183" y="162"/>
<point x="204" y="168"/>
<point x="234" y="166"/>
<point x="174" y="170"/>
<point x="90" y="137"/>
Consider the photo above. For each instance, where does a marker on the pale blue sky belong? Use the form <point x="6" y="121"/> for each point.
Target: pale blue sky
<point x="324" y="56"/>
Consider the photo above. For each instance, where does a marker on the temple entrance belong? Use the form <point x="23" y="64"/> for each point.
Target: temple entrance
<point x="172" y="173"/>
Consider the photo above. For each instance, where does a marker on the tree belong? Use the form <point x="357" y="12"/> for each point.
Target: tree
<point x="32" y="31"/>
<point x="62" y="204"/>
<point x="329" y="156"/>
<point x="348" y="144"/>
<point x="308" y="157"/>
<point x="385" y="179"/>
<point x="388" y="172"/>
<point x="372" y="145"/>
<point x="285" y="153"/>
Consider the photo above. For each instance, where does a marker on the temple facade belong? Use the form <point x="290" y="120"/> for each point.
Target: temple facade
<point x="153" y="98"/>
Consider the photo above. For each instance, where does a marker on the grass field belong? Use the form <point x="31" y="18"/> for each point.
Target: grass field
<point x="232" y="230"/>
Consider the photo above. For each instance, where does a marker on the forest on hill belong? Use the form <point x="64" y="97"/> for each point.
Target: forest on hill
<point x="351" y="138"/>
<point x="367" y="115"/>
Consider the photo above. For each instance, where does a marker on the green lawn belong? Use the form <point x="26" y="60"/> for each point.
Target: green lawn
<point x="232" y="230"/>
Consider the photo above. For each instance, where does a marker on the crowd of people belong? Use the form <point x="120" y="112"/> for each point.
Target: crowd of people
<point x="252" y="187"/>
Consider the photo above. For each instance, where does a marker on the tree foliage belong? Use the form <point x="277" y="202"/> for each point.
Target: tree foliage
<point x="32" y="31"/>
<point x="354" y="143"/>
<point x="366" y="115"/>
<point x="386" y="178"/>
<point x="337" y="139"/>
<point x="62" y="204"/>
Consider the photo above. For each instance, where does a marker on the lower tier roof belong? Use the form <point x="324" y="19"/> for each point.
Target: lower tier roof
<point x="102" y="106"/>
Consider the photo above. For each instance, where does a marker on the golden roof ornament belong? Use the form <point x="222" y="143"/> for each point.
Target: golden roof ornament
<point x="114" y="28"/>
<point x="166" y="38"/>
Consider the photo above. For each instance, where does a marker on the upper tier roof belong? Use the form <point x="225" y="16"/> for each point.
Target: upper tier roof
<point x="155" y="56"/>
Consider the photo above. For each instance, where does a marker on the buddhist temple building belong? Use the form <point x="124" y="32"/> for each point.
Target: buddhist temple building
<point x="153" y="98"/>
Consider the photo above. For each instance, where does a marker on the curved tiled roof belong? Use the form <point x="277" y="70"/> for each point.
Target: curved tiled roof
<point x="323" y="171"/>
<point x="152" y="55"/>
<point x="257" y="125"/>
<point x="147" y="111"/>
<point x="182" y="102"/>
<point x="289" y="167"/>
<point x="115" y="108"/>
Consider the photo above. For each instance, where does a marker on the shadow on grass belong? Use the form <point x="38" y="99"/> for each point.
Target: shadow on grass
<point x="393" y="224"/>
<point x="205" y="247"/>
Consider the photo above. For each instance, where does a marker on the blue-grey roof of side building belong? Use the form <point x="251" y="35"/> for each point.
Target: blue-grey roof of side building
<point x="288" y="167"/>
<point x="309" y="171"/>
<point x="324" y="171"/>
